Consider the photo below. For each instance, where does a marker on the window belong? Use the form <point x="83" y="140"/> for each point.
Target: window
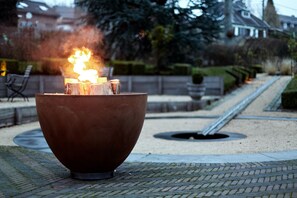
<point x="244" y="32"/>
<point x="245" y="14"/>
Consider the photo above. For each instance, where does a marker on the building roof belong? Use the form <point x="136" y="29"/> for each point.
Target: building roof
<point x="69" y="12"/>
<point x="288" y="19"/>
<point x="36" y="8"/>
<point x="237" y="15"/>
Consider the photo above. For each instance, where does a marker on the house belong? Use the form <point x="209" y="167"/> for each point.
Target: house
<point x="288" y="23"/>
<point x="37" y="15"/>
<point x="244" y="23"/>
<point x="70" y="17"/>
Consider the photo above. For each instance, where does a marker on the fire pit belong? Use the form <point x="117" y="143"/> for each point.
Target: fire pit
<point x="91" y="135"/>
<point x="92" y="127"/>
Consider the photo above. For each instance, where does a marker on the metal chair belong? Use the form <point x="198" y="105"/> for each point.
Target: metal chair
<point x="17" y="84"/>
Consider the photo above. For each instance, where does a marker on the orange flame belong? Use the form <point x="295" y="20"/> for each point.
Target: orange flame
<point x="79" y="59"/>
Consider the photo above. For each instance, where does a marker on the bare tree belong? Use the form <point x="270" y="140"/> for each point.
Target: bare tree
<point x="270" y="14"/>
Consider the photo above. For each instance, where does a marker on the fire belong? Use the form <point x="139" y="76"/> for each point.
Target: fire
<point x="79" y="59"/>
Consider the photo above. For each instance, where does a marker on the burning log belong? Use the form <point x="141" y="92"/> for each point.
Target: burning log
<point x="88" y="82"/>
<point x="86" y="88"/>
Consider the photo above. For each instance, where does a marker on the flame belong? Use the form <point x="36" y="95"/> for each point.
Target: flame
<point x="79" y="59"/>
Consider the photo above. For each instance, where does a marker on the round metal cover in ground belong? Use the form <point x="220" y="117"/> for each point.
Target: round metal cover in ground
<point x="195" y="136"/>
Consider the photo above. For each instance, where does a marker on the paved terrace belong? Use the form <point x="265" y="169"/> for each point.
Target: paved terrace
<point x="262" y="164"/>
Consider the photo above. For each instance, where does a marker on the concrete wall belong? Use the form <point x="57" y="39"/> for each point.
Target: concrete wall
<point x="168" y="85"/>
<point x="157" y="85"/>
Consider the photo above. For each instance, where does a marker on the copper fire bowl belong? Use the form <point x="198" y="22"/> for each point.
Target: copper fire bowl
<point x="91" y="135"/>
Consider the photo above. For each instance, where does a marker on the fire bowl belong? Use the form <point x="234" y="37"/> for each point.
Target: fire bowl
<point x="91" y="135"/>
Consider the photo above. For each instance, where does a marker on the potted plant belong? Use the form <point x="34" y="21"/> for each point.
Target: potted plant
<point x="196" y="89"/>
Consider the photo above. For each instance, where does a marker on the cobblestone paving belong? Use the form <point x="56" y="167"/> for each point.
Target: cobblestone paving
<point x="27" y="173"/>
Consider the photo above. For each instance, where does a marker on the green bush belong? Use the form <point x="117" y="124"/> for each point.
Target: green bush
<point x="12" y="65"/>
<point x="120" y="67"/>
<point x="251" y="72"/>
<point x="182" y="69"/>
<point x="289" y="95"/>
<point x="53" y="66"/>
<point x="150" y="69"/>
<point x="229" y="80"/>
<point x="245" y="75"/>
<point x="197" y="78"/>
<point x="237" y="75"/>
<point x="137" y="68"/>
<point x="128" y="67"/>
<point x="36" y="69"/>
<point x="258" y="68"/>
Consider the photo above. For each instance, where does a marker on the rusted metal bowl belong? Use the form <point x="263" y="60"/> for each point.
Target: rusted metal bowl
<point x="91" y="135"/>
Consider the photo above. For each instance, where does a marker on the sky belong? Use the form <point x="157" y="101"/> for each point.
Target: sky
<point x="284" y="7"/>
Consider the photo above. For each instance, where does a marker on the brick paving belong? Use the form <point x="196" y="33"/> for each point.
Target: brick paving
<point x="28" y="173"/>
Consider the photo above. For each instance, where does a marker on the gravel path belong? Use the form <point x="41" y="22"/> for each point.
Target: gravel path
<point x="262" y="135"/>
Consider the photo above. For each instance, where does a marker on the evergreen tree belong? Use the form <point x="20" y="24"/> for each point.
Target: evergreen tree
<point x="270" y="14"/>
<point x="8" y="13"/>
<point x="129" y="27"/>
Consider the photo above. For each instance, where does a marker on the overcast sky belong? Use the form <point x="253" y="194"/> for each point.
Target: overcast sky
<point x="285" y="7"/>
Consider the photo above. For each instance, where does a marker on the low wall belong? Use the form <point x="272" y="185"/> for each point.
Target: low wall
<point x="154" y="85"/>
<point x="43" y="84"/>
<point x="168" y="85"/>
<point x="3" y="89"/>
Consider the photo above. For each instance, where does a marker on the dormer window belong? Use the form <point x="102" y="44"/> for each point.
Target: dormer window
<point x="245" y="14"/>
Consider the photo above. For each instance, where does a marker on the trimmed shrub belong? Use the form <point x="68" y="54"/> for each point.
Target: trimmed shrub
<point x="258" y="68"/>
<point x="12" y="65"/>
<point x="36" y="69"/>
<point x="289" y="95"/>
<point x="137" y="68"/>
<point x="128" y="67"/>
<point x="197" y="78"/>
<point x="251" y="73"/>
<point x="120" y="67"/>
<point x="182" y="69"/>
<point x="150" y="69"/>
<point x="229" y="80"/>
<point x="244" y="74"/>
<point x="52" y="66"/>
<point x="238" y="77"/>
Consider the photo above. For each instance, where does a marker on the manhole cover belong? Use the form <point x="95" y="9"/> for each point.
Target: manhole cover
<point x="194" y="136"/>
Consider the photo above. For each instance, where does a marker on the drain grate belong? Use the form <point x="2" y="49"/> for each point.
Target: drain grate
<point x="196" y="136"/>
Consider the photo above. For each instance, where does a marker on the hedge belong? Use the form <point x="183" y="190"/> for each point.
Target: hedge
<point x="36" y="69"/>
<point x="182" y="69"/>
<point x="239" y="79"/>
<point x="12" y="65"/>
<point x="289" y="95"/>
<point x="229" y="80"/>
<point x="128" y="67"/>
<point x="52" y="66"/>
<point x="258" y="68"/>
